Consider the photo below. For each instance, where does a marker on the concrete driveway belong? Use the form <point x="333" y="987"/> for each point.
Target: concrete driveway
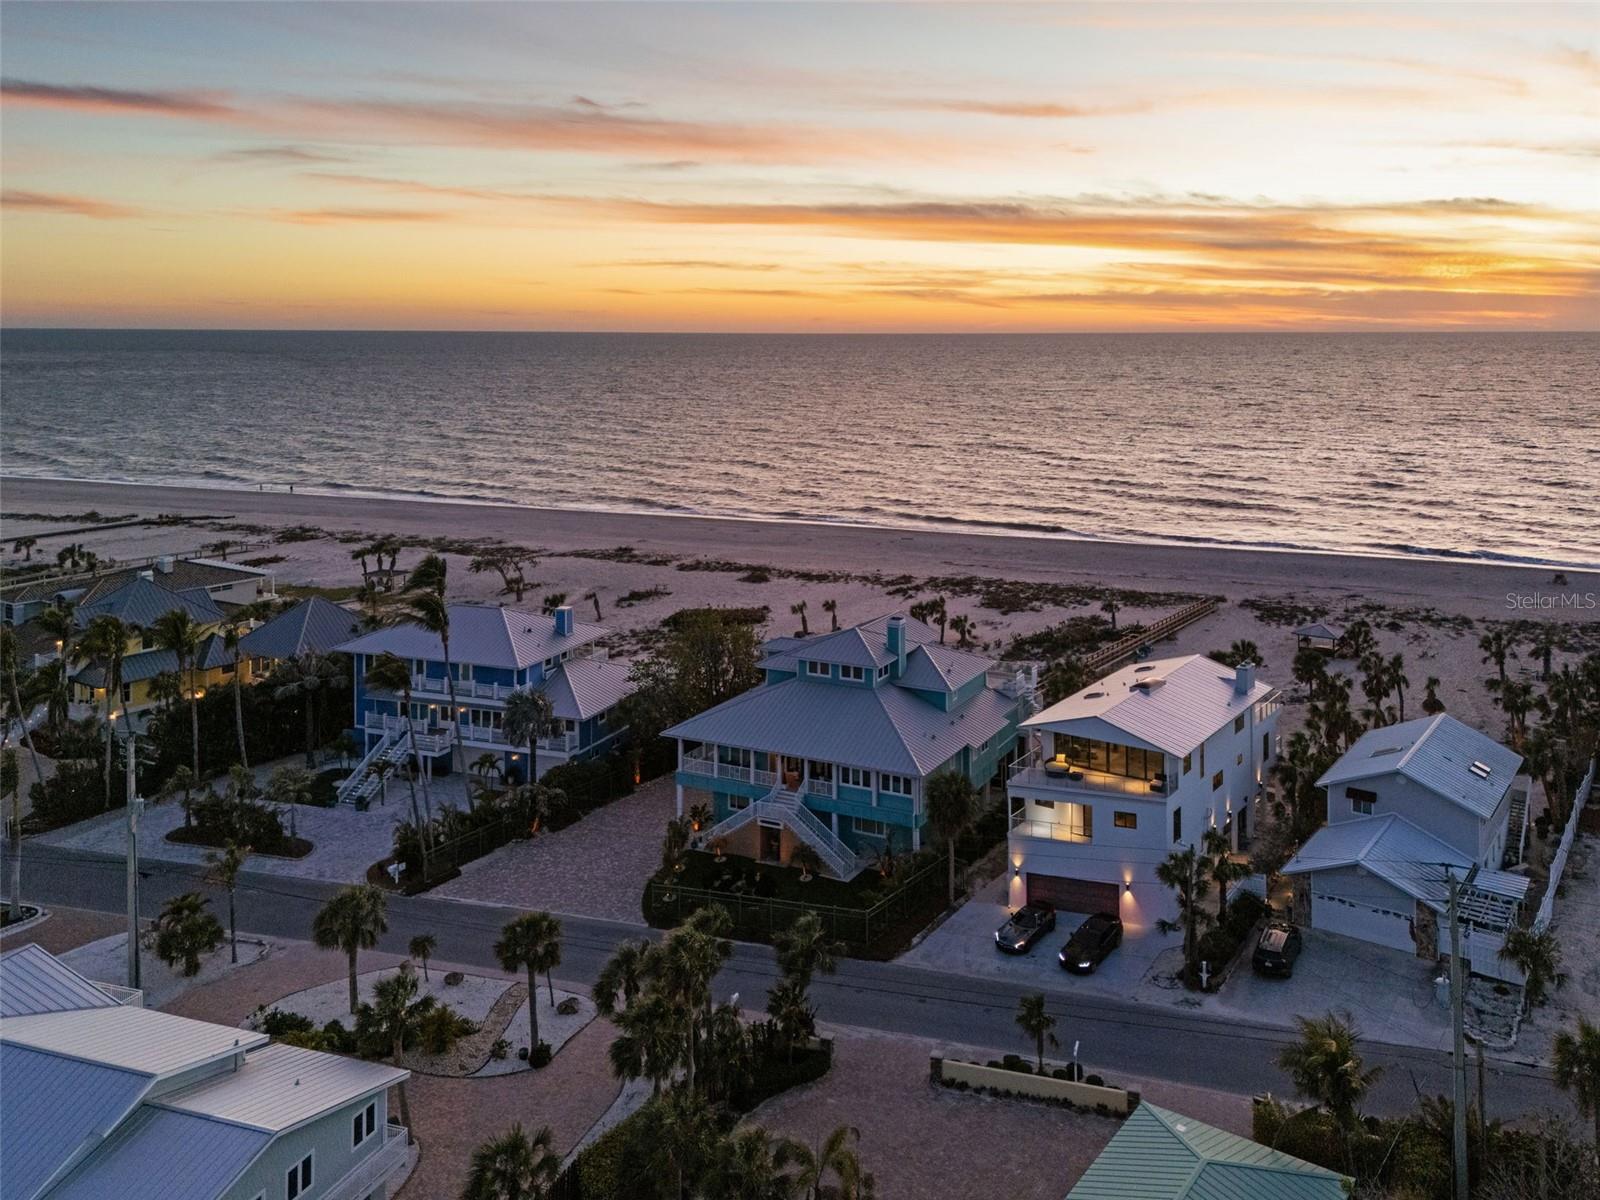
<point x="965" y="943"/>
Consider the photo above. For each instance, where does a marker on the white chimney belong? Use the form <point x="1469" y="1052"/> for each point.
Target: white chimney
<point x="150" y="575"/>
<point x="563" y="617"/>
<point x="164" y="564"/>
<point x="1244" y="678"/>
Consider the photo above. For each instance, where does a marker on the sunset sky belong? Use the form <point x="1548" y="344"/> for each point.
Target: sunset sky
<point x="801" y="167"/>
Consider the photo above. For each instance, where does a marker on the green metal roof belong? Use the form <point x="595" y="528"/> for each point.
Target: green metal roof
<point x="1162" y="1155"/>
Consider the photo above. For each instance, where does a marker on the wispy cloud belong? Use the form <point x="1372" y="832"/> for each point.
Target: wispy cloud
<point x="73" y="206"/>
<point x="281" y="154"/>
<point x="355" y="216"/>
<point x="190" y="105"/>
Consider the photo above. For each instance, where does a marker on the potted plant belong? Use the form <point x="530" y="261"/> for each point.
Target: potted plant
<point x="718" y="846"/>
<point x="807" y="859"/>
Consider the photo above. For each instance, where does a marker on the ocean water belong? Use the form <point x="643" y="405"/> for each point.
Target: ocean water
<point x="1472" y="445"/>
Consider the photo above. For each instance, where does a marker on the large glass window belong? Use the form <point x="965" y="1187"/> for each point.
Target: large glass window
<point x="1132" y="762"/>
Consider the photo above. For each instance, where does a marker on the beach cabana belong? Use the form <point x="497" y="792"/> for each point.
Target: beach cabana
<point x="1319" y="635"/>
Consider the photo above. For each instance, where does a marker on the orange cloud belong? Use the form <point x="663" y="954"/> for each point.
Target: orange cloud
<point x="75" y="206"/>
<point x="191" y="105"/>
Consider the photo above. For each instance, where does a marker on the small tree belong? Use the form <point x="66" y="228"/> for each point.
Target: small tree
<point x="807" y="859"/>
<point x="186" y="932"/>
<point x="1225" y="871"/>
<point x="1577" y="1063"/>
<point x="1326" y="1067"/>
<point x="352" y="921"/>
<point x="421" y="948"/>
<point x="835" y="1155"/>
<point x="799" y="610"/>
<point x="951" y="807"/>
<point x="1037" y="1023"/>
<point x="831" y="607"/>
<point x="1187" y="872"/>
<point x="805" y="949"/>
<point x="514" y="1166"/>
<point x="1537" y="955"/>
<point x="224" y="872"/>
<point x="1111" y="608"/>
<point x="531" y="943"/>
<point x="397" y="1016"/>
<point x="623" y="975"/>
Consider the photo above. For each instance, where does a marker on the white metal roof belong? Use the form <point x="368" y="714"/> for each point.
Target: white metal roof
<point x="483" y="635"/>
<point x="51" y="1108"/>
<point x="133" y="1039"/>
<point x="1320" y="629"/>
<point x="1174" y="704"/>
<point x="159" y="1154"/>
<point x="32" y="980"/>
<point x="583" y="687"/>
<point x="282" y="1086"/>
<point x="1403" y="855"/>
<point x="1437" y="753"/>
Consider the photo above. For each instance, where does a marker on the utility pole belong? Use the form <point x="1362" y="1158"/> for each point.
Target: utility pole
<point x="1458" y="1028"/>
<point x="135" y="806"/>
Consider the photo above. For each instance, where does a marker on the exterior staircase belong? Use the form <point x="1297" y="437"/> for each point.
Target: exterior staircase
<point x="1516" y="824"/>
<point x="787" y="808"/>
<point x="366" y="781"/>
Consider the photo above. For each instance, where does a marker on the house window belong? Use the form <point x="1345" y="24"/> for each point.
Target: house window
<point x="299" y="1178"/>
<point x="1132" y="762"/>
<point x="895" y="785"/>
<point x="1266" y="745"/>
<point x="1361" y="800"/>
<point x="127" y="692"/>
<point x="738" y="802"/>
<point x="854" y="777"/>
<point x="816" y="668"/>
<point x="883" y="671"/>
<point x="1177" y="824"/>
<point x="854" y="674"/>
<point x="870" y="828"/>
<point x="1216" y="781"/>
<point x="1188" y="761"/>
<point x="363" y="1123"/>
<point x="734" y="756"/>
<point x="821" y="770"/>
<point x="1075" y="822"/>
<point x="1238" y="723"/>
<point x="1125" y="820"/>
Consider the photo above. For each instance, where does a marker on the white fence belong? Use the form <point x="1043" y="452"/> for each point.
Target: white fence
<point x="1558" y="864"/>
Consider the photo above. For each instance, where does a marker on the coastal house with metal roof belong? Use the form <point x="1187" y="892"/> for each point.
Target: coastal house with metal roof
<point x="226" y="583"/>
<point x="1409" y="805"/>
<point x="494" y="653"/>
<point x="834" y="749"/>
<point x="1124" y="772"/>
<point x="313" y="626"/>
<point x="107" y="1099"/>
<point x="1159" y="1154"/>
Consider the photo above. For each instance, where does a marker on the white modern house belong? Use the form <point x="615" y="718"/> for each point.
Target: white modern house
<point x="103" y="1099"/>
<point x="1409" y="805"/>
<point x="1133" y="767"/>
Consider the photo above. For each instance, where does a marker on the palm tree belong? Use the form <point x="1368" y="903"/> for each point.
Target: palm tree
<point x="1037" y="1023"/>
<point x="807" y="860"/>
<point x="11" y="785"/>
<point x="1546" y="640"/>
<point x="963" y="626"/>
<point x="804" y="949"/>
<point x="308" y="675"/>
<point x="1063" y="677"/>
<point x="224" y="872"/>
<point x="1537" y="954"/>
<point x="165" y="689"/>
<point x="624" y="974"/>
<point x="387" y="673"/>
<point x="1187" y="873"/>
<point x="831" y="607"/>
<point x="186" y="932"/>
<point x="485" y="765"/>
<point x="1224" y="869"/>
<point x="421" y="948"/>
<point x="792" y="1014"/>
<point x="57" y="623"/>
<point x="1326" y="1068"/>
<point x="1111" y="608"/>
<point x="11" y="665"/>
<point x="175" y="630"/>
<point x="528" y="718"/>
<point x="799" y="610"/>
<point x="1577" y="1063"/>
<point x="397" y="1014"/>
<point x="1398" y="681"/>
<point x="835" y="1155"/>
<point x="951" y="807"/>
<point x="24" y="546"/>
<point x="650" y="1041"/>
<point x="532" y="943"/>
<point x="554" y="600"/>
<point x="514" y="1166"/>
<point x="1431" y="704"/>
<point x="744" y="1167"/>
<point x="105" y="641"/>
<point x="232" y="634"/>
<point x="352" y="921"/>
<point x="1496" y="649"/>
<point x="1516" y="700"/>
<point x="424" y="604"/>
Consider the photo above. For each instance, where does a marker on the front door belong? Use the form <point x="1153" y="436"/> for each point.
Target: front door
<point x="791" y="773"/>
<point x="771" y="842"/>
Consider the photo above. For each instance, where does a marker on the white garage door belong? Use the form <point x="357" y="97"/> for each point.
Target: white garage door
<point x="1385" y="927"/>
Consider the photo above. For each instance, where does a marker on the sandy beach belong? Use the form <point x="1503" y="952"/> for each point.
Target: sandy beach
<point x="1432" y="611"/>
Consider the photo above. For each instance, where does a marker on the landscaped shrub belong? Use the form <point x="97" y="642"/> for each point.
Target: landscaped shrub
<point x="440" y="1028"/>
<point x="218" y="820"/>
<point x="277" y="1023"/>
<point x="76" y="791"/>
<point x="541" y="1056"/>
<point x="1244" y="910"/>
<point x="589" y="784"/>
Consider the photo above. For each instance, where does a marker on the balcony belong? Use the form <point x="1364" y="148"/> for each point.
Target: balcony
<point x="700" y="763"/>
<point x="1050" y="830"/>
<point x="1031" y="772"/>
<point x="466" y="689"/>
<point x="372" y="1172"/>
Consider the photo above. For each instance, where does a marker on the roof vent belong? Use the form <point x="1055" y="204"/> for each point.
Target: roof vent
<point x="1143" y="669"/>
<point x="1093" y="695"/>
<point x="1480" y="769"/>
<point x="164" y="564"/>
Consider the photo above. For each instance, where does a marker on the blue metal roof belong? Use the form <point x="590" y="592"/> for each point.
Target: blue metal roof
<point x="51" y="1107"/>
<point x="315" y="626"/>
<point x="160" y="1154"/>
<point x="1437" y="753"/>
<point x="32" y="980"/>
<point x="142" y="602"/>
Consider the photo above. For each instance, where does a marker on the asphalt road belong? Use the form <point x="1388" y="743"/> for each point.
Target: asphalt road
<point x="1115" y="1035"/>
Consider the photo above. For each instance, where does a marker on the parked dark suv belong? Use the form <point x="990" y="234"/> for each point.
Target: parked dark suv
<point x="1277" y="949"/>
<point x="1088" y="947"/>
<point x="1026" y="926"/>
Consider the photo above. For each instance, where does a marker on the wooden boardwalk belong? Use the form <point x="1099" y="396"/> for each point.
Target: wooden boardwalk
<point x="1106" y="658"/>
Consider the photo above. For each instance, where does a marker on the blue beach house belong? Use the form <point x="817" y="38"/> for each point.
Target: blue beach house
<point x="835" y="748"/>
<point x="494" y="652"/>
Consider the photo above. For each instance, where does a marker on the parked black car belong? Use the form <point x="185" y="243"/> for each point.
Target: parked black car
<point x="1026" y="926"/>
<point x="1276" y="950"/>
<point x="1088" y="947"/>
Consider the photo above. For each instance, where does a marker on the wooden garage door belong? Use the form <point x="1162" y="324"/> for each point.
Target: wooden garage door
<point x="1073" y="895"/>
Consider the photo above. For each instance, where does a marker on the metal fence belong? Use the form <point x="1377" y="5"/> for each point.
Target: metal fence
<point x="765" y="916"/>
<point x="1558" y="864"/>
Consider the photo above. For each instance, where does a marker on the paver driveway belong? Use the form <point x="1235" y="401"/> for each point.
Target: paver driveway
<point x="595" y="868"/>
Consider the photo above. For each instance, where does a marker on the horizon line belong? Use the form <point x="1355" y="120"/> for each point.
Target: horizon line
<point x="1208" y="331"/>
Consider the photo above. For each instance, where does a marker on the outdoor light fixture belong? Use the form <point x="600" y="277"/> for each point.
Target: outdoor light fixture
<point x="1127" y="888"/>
<point x="1016" y="872"/>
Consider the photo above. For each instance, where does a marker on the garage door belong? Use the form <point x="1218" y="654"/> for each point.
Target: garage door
<point x="1073" y="895"/>
<point x="1385" y="927"/>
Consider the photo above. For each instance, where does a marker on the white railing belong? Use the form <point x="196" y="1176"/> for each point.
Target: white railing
<point x="786" y="808"/>
<point x="1558" y="864"/>
<point x="1048" y="829"/>
<point x="820" y="787"/>
<point x="465" y="688"/>
<point x="126" y="996"/>
<point x="362" y="782"/>
<point x="1030" y="772"/>
<point x="368" y="1175"/>
<point x="428" y="740"/>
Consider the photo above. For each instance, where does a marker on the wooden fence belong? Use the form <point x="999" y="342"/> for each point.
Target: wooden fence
<point x="1558" y="864"/>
